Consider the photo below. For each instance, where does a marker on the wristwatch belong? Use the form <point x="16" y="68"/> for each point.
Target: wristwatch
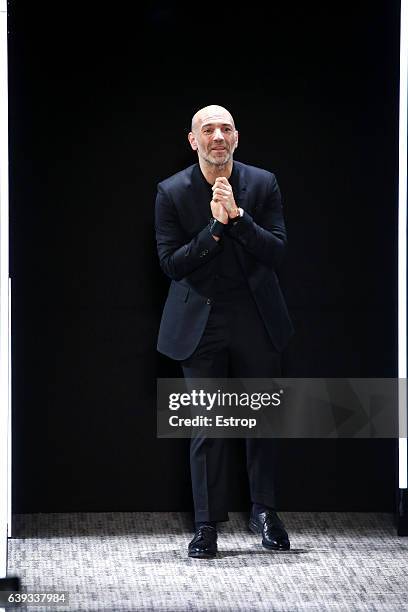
<point x="240" y="213"/>
<point x="216" y="227"/>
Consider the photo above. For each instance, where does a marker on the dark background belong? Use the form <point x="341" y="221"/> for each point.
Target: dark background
<point x="100" y="105"/>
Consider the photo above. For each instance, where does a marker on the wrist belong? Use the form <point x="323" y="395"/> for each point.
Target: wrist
<point x="216" y="228"/>
<point x="237" y="218"/>
<point x="236" y="213"/>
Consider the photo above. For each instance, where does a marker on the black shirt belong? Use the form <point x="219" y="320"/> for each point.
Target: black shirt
<point x="229" y="275"/>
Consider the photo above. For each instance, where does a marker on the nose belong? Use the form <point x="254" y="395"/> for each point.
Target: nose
<point x="218" y="135"/>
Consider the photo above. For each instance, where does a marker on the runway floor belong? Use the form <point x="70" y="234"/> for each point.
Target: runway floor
<point x="138" y="561"/>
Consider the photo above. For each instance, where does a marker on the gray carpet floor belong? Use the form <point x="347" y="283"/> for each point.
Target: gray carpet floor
<point x="138" y="561"/>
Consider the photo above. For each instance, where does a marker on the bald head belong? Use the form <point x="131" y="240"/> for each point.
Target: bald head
<point x="211" y="114"/>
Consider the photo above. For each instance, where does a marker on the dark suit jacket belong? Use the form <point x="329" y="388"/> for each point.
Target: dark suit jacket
<point x="188" y="254"/>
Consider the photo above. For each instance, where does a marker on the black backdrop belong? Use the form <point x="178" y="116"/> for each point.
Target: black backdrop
<point x="100" y="105"/>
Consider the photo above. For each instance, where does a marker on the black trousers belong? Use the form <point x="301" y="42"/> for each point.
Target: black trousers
<point x="235" y="344"/>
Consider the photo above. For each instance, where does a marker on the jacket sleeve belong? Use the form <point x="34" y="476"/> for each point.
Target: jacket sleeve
<point x="178" y="258"/>
<point x="265" y="240"/>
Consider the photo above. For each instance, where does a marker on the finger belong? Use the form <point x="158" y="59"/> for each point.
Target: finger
<point x="221" y="186"/>
<point x="224" y="192"/>
<point x="222" y="179"/>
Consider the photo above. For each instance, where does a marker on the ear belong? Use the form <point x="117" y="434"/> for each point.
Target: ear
<point x="192" y="141"/>
<point x="236" y="139"/>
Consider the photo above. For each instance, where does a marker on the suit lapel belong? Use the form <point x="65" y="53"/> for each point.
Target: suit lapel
<point x="241" y="200"/>
<point x="240" y="191"/>
<point x="197" y="211"/>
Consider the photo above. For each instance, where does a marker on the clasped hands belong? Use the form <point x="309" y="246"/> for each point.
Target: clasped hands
<point x="223" y="206"/>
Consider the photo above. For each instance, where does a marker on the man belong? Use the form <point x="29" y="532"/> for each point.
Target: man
<point x="220" y="237"/>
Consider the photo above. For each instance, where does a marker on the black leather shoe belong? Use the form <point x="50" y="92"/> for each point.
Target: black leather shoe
<point x="274" y="534"/>
<point x="204" y="543"/>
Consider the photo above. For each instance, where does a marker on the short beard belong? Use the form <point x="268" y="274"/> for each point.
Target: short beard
<point x="221" y="163"/>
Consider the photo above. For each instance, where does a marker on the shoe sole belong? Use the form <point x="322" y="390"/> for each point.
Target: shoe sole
<point x="195" y="555"/>
<point x="285" y="547"/>
<point x="258" y="531"/>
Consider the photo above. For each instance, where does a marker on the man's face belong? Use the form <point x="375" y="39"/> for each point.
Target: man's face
<point x="214" y="137"/>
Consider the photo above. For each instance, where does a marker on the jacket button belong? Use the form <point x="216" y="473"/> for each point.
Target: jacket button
<point x="208" y="301"/>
